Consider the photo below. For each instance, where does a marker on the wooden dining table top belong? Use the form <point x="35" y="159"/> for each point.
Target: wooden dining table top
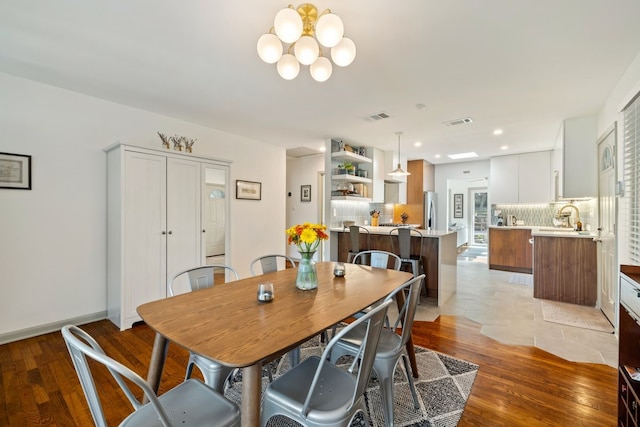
<point x="228" y="324"/>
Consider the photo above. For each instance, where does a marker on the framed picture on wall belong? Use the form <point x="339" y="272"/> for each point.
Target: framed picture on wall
<point x="248" y="190"/>
<point x="457" y="206"/>
<point x="305" y="193"/>
<point x="15" y="171"/>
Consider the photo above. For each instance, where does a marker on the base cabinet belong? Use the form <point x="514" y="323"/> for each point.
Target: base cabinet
<point x="510" y="250"/>
<point x="154" y="225"/>
<point x="565" y="269"/>
<point x="629" y="346"/>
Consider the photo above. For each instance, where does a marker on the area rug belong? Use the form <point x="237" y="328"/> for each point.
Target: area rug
<point x="443" y="389"/>
<point x="576" y="315"/>
<point x="521" y="279"/>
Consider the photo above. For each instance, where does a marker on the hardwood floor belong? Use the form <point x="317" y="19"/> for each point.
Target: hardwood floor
<point x="515" y="386"/>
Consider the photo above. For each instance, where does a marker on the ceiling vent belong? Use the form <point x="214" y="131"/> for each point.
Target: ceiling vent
<point x="458" y="121"/>
<point x="376" y="117"/>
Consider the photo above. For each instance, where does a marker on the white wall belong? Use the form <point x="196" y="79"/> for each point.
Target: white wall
<point x="303" y="171"/>
<point x="53" y="238"/>
<point x="455" y="171"/>
<point x="626" y="88"/>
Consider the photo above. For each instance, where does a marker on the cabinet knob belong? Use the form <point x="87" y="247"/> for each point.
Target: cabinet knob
<point x="204" y="231"/>
<point x="170" y="232"/>
<point x="164" y="232"/>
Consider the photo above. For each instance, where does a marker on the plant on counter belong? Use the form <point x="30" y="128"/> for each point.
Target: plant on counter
<point x="374" y="213"/>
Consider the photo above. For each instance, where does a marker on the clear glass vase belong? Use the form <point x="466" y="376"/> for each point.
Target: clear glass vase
<point x="307" y="277"/>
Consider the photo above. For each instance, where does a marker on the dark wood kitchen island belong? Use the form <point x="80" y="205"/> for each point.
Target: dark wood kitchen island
<point x="439" y="256"/>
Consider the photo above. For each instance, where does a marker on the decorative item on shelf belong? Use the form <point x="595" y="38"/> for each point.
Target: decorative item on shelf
<point x="177" y="142"/>
<point x="307" y="237"/>
<point x="350" y="168"/>
<point x="375" y="215"/>
<point x="345" y="188"/>
<point x="165" y="140"/>
<point x="404" y="217"/>
<point x="188" y="143"/>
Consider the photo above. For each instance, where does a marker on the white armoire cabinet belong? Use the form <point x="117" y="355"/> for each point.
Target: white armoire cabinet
<point x="154" y="224"/>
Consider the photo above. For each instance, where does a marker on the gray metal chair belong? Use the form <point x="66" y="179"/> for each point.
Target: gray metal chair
<point x="379" y="259"/>
<point x="317" y="393"/>
<point x="214" y="374"/>
<point x="391" y="347"/>
<point x="269" y="263"/>
<point x="190" y="403"/>
<point x="354" y="240"/>
<point x="402" y="247"/>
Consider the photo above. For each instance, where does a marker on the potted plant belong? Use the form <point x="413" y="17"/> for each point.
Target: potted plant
<point x="349" y="168"/>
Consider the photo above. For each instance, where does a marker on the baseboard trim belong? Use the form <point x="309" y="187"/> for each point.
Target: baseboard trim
<point x="50" y="327"/>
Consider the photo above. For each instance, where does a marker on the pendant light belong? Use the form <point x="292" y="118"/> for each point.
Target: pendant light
<point x="399" y="171"/>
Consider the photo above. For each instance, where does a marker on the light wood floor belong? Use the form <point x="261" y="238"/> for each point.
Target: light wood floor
<point x="516" y="385"/>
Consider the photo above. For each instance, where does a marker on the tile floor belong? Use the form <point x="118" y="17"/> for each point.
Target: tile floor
<point x="509" y="314"/>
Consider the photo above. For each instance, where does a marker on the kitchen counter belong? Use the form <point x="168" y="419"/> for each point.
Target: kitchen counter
<point x="549" y="231"/>
<point x="439" y="250"/>
<point x="386" y="230"/>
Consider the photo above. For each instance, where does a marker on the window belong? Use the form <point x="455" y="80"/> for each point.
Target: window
<point x="632" y="174"/>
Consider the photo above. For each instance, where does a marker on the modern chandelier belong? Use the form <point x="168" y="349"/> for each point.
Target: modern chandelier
<point x="399" y="171"/>
<point x="306" y="33"/>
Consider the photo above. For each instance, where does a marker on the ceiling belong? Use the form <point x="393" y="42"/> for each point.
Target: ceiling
<point x="520" y="66"/>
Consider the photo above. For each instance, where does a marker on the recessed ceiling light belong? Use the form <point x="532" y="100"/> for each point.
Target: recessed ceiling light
<point x="437" y="156"/>
<point x="323" y="149"/>
<point x="417" y="144"/>
<point x="497" y="132"/>
<point x="504" y="147"/>
<point x="462" y="155"/>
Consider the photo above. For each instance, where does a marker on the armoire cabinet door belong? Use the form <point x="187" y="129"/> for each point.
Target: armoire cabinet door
<point x="184" y="230"/>
<point x="144" y="248"/>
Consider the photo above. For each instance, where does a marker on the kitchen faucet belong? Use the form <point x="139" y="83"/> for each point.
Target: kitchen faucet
<point x="574" y="208"/>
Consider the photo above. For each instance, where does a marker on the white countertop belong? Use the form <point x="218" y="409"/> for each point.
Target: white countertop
<point x="386" y="230"/>
<point x="537" y="231"/>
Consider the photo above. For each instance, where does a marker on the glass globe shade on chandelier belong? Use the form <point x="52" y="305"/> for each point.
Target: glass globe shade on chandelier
<point x="306" y="33"/>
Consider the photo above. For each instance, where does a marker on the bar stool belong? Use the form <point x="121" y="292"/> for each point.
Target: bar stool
<point x="403" y="249"/>
<point x="354" y="239"/>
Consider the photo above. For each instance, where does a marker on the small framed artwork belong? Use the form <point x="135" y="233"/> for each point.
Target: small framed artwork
<point x="305" y="193"/>
<point x="248" y="190"/>
<point x="15" y="171"/>
<point x="457" y="206"/>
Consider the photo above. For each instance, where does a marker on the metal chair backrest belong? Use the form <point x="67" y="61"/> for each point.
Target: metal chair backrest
<point x="81" y="345"/>
<point x="379" y="259"/>
<point x="407" y="313"/>
<point x="201" y="277"/>
<point x="404" y="241"/>
<point x="354" y="237"/>
<point x="367" y="354"/>
<point x="269" y="263"/>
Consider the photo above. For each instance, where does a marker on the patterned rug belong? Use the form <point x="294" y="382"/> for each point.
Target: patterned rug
<point x="576" y="315"/>
<point x="443" y="388"/>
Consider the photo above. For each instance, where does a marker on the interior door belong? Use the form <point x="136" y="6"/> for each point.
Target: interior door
<point x="607" y="261"/>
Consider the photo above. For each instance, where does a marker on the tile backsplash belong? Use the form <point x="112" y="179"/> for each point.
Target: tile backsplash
<point x="541" y="215"/>
<point x="358" y="211"/>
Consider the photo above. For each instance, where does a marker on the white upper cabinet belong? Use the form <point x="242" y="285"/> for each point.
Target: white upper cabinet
<point x="576" y="155"/>
<point x="521" y="178"/>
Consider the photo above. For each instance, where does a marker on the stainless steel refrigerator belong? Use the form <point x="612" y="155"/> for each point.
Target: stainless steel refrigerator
<point x="430" y="209"/>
